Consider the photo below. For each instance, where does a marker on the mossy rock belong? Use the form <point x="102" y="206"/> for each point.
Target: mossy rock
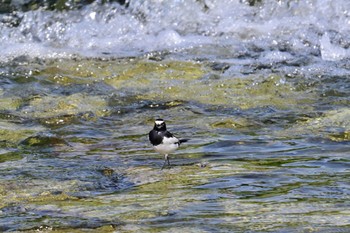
<point x="334" y="125"/>
<point x="43" y="141"/>
<point x="12" y="134"/>
<point x="54" y="106"/>
<point x="10" y="104"/>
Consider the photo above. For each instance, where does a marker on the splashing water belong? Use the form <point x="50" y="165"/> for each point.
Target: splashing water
<point x="281" y="29"/>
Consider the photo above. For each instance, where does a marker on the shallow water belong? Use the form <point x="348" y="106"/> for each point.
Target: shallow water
<point x="264" y="100"/>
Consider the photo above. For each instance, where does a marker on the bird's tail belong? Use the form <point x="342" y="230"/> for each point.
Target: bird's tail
<point x="183" y="140"/>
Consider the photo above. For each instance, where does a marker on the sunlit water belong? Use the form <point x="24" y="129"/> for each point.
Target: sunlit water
<point x="262" y="92"/>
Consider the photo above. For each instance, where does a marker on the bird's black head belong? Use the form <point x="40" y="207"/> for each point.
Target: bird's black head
<point x="159" y="125"/>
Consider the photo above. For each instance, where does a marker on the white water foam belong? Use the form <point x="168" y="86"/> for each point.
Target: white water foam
<point x="277" y="29"/>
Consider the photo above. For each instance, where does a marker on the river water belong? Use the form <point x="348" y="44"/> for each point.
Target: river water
<point x="262" y="91"/>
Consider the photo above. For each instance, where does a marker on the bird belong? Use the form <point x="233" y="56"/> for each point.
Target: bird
<point x="163" y="141"/>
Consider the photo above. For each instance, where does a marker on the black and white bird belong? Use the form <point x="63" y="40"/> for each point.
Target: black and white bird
<point x="163" y="141"/>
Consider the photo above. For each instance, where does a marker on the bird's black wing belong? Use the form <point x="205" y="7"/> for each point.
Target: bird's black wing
<point x="168" y="134"/>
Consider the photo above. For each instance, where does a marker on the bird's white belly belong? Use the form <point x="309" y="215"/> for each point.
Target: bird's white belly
<point x="166" y="148"/>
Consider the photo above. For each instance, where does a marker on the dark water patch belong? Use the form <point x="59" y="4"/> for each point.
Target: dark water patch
<point x="240" y="180"/>
<point x="220" y="66"/>
<point x="11" y="116"/>
<point x="122" y="105"/>
<point x="163" y="105"/>
<point x="243" y="145"/>
<point x="89" y="86"/>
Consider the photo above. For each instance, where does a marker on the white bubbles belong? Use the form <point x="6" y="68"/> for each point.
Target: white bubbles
<point x="277" y="29"/>
<point x="277" y="56"/>
<point x="331" y="52"/>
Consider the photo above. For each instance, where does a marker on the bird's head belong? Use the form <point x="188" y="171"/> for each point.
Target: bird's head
<point x="159" y="124"/>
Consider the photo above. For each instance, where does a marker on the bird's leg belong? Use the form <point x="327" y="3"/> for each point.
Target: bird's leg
<point x="166" y="161"/>
<point x="167" y="158"/>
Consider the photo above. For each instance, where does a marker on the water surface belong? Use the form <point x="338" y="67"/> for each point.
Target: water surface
<point x="262" y="91"/>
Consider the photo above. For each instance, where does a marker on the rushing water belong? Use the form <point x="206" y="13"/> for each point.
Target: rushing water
<point x="262" y="91"/>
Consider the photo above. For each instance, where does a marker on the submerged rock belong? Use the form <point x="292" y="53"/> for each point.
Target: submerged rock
<point x="43" y="141"/>
<point x="54" y="106"/>
<point x="12" y="134"/>
<point x="9" y="156"/>
<point x="9" y="104"/>
<point x="334" y="125"/>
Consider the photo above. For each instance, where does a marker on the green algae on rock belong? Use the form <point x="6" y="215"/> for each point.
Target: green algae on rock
<point x="10" y="104"/>
<point x="143" y="75"/>
<point x="10" y="155"/>
<point x="334" y="125"/>
<point x="232" y="123"/>
<point x="43" y="141"/>
<point x="53" y="106"/>
<point x="14" y="133"/>
<point x="186" y="81"/>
